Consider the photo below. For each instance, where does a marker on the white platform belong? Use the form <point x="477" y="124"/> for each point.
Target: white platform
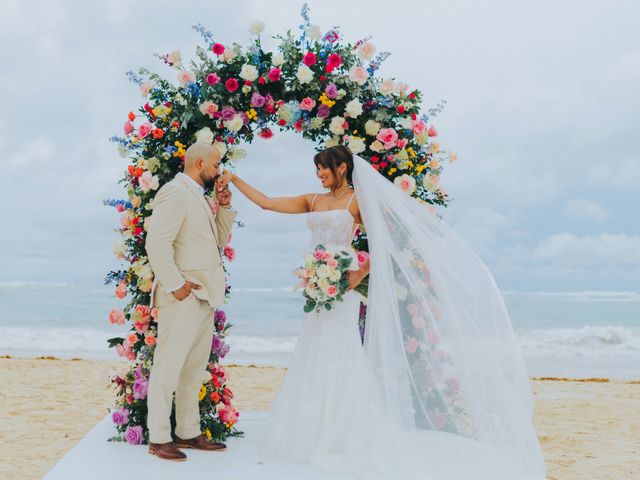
<point x="95" y="458"/>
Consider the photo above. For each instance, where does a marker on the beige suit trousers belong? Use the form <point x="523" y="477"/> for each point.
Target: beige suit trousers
<point x="185" y="333"/>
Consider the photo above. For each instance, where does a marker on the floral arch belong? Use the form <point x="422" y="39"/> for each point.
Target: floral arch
<point x="317" y="85"/>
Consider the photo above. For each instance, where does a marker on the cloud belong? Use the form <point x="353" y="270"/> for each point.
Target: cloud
<point x="625" y="176"/>
<point x="601" y="251"/>
<point x="584" y="209"/>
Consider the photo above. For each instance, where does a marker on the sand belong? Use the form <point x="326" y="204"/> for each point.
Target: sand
<point x="588" y="429"/>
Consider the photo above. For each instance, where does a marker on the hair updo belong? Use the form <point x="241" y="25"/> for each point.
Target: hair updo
<point x="332" y="158"/>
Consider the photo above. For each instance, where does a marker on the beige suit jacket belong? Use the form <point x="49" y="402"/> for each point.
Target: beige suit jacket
<point x="183" y="243"/>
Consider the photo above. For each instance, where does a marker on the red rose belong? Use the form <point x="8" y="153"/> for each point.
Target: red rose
<point x="323" y="78"/>
<point x="274" y="74"/>
<point x="149" y="110"/>
<point x="333" y="62"/>
<point x="282" y="122"/>
<point x="231" y="84"/>
<point x="298" y="125"/>
<point x="266" y="133"/>
<point x="158" y="133"/>
<point x="232" y="140"/>
<point x="215" y="397"/>
<point x="247" y="83"/>
<point x="401" y="109"/>
<point x="412" y="95"/>
<point x="383" y="164"/>
<point x="218" y="48"/>
<point x="309" y="59"/>
<point x="261" y="80"/>
<point x="374" y="159"/>
<point x="132" y="116"/>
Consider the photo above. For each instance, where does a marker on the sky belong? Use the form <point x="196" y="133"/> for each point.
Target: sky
<point x="543" y="110"/>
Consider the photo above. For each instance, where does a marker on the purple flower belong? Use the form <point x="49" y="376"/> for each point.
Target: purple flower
<point x="257" y="100"/>
<point x="323" y="111"/>
<point x="219" y="347"/>
<point x="228" y="113"/>
<point x="120" y="416"/>
<point x="331" y="90"/>
<point x="220" y="316"/>
<point x="140" y="387"/>
<point x="133" y="435"/>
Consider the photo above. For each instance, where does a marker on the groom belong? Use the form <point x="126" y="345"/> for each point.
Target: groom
<point x="183" y="245"/>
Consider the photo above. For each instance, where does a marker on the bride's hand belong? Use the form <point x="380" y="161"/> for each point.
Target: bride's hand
<point x="224" y="180"/>
<point x="354" y="277"/>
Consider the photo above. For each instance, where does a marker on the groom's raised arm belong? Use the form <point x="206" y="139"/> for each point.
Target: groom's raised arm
<point x="169" y="212"/>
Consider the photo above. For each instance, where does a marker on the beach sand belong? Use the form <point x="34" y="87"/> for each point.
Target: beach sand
<point x="589" y="429"/>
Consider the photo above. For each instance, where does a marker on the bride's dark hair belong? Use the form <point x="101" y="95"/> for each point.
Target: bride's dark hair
<point x="332" y="157"/>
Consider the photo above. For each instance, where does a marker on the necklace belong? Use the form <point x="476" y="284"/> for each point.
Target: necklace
<point x="340" y="195"/>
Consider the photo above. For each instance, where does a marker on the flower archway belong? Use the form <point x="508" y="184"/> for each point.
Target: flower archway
<point x="318" y="85"/>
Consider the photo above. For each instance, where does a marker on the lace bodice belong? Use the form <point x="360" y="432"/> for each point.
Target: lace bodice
<point x="331" y="228"/>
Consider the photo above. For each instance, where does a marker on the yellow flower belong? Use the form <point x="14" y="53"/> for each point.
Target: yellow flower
<point x="251" y="114"/>
<point x="411" y="152"/>
<point x="326" y="100"/>
<point x="207" y="432"/>
<point x="392" y="170"/>
<point x="203" y="392"/>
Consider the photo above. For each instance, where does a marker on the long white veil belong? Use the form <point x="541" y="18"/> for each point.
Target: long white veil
<point x="440" y="344"/>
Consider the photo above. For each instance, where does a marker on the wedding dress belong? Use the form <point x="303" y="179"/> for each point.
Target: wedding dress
<point x="439" y="390"/>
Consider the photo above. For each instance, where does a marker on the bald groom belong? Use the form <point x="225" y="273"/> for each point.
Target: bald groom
<point x="183" y="245"/>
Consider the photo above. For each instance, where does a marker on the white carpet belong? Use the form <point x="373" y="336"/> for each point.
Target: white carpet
<point x="95" y="458"/>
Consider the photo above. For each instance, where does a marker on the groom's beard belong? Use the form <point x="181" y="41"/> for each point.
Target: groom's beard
<point x="208" y="182"/>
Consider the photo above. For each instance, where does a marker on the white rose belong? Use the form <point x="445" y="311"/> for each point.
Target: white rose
<point x="358" y="75"/>
<point x="234" y="124"/>
<point x="119" y="248"/>
<point x="387" y="87"/>
<point x="174" y="57"/>
<point x="336" y="124"/>
<point x="323" y="271"/>
<point x="376" y="146"/>
<point x="308" y="260"/>
<point x="371" y="127"/>
<point x="153" y="164"/>
<point x="222" y="148"/>
<point x="323" y="283"/>
<point x="356" y="145"/>
<point x="204" y="135"/>
<point x="422" y="138"/>
<point x="341" y="94"/>
<point x="256" y="28"/>
<point x="148" y="181"/>
<point x="316" y="123"/>
<point x="335" y="275"/>
<point x="246" y="89"/>
<point x="430" y="182"/>
<point x="402" y="292"/>
<point x="366" y="51"/>
<point x="401" y="88"/>
<point x="229" y="55"/>
<point x="406" y="183"/>
<point x="284" y="113"/>
<point x="332" y="142"/>
<point x="313" y="32"/>
<point x="304" y="74"/>
<point x="277" y="59"/>
<point x="186" y="76"/>
<point x="248" y="72"/>
<point x="354" y="108"/>
<point x="407" y="123"/>
<point x="237" y="154"/>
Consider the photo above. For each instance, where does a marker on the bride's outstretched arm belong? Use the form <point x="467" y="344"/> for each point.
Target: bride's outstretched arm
<point x="298" y="204"/>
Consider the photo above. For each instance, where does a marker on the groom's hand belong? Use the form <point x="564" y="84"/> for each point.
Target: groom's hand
<point x="184" y="291"/>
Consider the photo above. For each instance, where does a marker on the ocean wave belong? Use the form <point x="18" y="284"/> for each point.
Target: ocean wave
<point x="602" y="341"/>
<point x="58" y="340"/>
<point x="25" y="284"/>
<point x="262" y="289"/>
<point x="587" y="295"/>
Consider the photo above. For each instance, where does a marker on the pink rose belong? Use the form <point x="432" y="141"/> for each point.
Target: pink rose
<point x="332" y="291"/>
<point x="231" y="84"/>
<point x="418" y="321"/>
<point x="332" y="263"/>
<point x="432" y="335"/>
<point x="121" y="290"/>
<point x="212" y="79"/>
<point x="309" y="59"/>
<point x="186" y="76"/>
<point x="274" y="74"/>
<point x="218" y="48"/>
<point x="318" y="255"/>
<point x="230" y="253"/>
<point x="411" y="345"/>
<point x="419" y="126"/>
<point x="307" y="104"/>
<point x="134" y="435"/>
<point x="432" y="132"/>
<point x="358" y="75"/>
<point x="150" y="340"/>
<point x="363" y="257"/>
<point x="128" y="128"/>
<point x="145" y="129"/>
<point x="388" y="137"/>
<point x="116" y="316"/>
<point x="412" y="308"/>
<point x="209" y="108"/>
<point x="401" y="143"/>
<point x="132" y="339"/>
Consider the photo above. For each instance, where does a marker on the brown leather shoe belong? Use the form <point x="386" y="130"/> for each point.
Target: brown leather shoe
<point x="167" y="451"/>
<point x="200" y="443"/>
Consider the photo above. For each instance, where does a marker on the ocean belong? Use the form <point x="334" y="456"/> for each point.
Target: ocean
<point x="573" y="334"/>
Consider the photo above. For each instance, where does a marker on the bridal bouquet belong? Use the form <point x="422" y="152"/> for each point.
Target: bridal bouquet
<point x="323" y="278"/>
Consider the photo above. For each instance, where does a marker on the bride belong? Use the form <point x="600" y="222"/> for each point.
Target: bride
<point x="439" y="389"/>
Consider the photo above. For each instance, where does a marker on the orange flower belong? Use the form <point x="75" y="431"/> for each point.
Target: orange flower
<point x="215" y="397"/>
<point x="132" y="338"/>
<point x="150" y="340"/>
<point x="158" y="133"/>
<point x="132" y="116"/>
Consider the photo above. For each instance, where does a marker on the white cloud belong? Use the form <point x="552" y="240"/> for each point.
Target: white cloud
<point x="584" y="209"/>
<point x="590" y="251"/>
<point x="625" y="176"/>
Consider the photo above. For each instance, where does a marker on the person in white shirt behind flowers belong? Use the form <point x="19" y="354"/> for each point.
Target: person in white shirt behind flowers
<point x="183" y="246"/>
